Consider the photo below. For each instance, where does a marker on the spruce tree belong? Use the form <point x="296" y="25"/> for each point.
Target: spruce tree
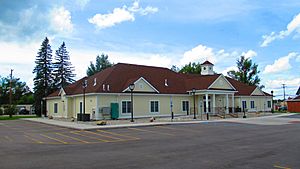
<point x="43" y="80"/>
<point x="63" y="68"/>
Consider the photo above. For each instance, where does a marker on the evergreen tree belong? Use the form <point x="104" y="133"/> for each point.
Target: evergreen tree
<point x="174" y="68"/>
<point x="247" y="72"/>
<point x="101" y="64"/>
<point x="191" y="68"/>
<point x="62" y="68"/>
<point x="43" y="80"/>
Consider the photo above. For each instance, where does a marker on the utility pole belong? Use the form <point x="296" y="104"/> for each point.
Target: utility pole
<point x="10" y="87"/>
<point x="283" y="86"/>
<point x="10" y="94"/>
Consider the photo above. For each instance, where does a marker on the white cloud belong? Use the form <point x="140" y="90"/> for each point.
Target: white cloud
<point x="277" y="83"/>
<point x="20" y="58"/>
<point x="281" y="64"/>
<point x="108" y="20"/>
<point x="293" y="26"/>
<point x="143" y="11"/>
<point x="82" y="3"/>
<point x="201" y="53"/>
<point x="298" y="58"/>
<point x="120" y="15"/>
<point x="224" y="72"/>
<point x="249" y="54"/>
<point x="61" y="20"/>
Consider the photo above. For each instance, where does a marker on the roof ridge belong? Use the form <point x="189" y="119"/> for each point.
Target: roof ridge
<point x="130" y="64"/>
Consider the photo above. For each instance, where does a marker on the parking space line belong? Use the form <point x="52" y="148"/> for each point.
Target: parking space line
<point x="33" y="139"/>
<point x="277" y="166"/>
<point x="54" y="139"/>
<point x="77" y="139"/>
<point x="150" y="131"/>
<point x="117" y="134"/>
<point x="8" y="138"/>
<point x="95" y="138"/>
<point x="112" y="137"/>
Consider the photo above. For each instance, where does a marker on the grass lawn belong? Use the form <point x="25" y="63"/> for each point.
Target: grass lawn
<point x="15" y="117"/>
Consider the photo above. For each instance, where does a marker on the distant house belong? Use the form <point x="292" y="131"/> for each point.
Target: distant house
<point x="293" y="105"/>
<point x="157" y="92"/>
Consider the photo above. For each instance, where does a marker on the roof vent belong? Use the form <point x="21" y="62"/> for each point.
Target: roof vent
<point x="166" y="82"/>
<point x="95" y="81"/>
<point x="103" y="87"/>
<point x="107" y="87"/>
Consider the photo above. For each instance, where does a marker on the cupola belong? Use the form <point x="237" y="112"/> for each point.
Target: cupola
<point x="207" y="68"/>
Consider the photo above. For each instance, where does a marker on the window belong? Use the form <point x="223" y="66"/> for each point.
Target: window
<point x="154" y="106"/>
<point x="244" y="104"/>
<point x="205" y="97"/>
<point x="185" y="105"/>
<point x="55" y="107"/>
<point x="204" y="68"/>
<point x="252" y="104"/>
<point x="80" y="107"/>
<point x="269" y="104"/>
<point x="126" y="107"/>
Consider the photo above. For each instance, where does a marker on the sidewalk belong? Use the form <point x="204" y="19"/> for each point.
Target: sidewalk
<point x="138" y="123"/>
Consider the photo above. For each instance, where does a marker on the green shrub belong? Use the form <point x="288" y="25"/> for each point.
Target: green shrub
<point x="1" y="111"/>
<point x="10" y="110"/>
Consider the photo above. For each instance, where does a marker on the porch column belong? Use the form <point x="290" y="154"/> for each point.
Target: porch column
<point x="227" y="104"/>
<point x="206" y="103"/>
<point x="232" y="103"/>
<point x="97" y="108"/>
<point x="214" y="103"/>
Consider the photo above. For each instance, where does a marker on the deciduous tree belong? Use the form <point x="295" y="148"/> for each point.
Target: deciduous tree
<point x="101" y="64"/>
<point x="247" y="72"/>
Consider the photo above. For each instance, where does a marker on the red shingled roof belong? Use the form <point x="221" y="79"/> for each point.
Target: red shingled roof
<point x="207" y="63"/>
<point x="119" y="76"/>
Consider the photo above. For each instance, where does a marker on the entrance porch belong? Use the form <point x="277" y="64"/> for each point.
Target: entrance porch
<point x="213" y="102"/>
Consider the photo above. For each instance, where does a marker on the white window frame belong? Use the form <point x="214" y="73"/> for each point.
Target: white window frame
<point x="252" y="101"/>
<point x="56" y="108"/>
<point x="269" y="106"/>
<point x="182" y="105"/>
<point x="126" y="106"/>
<point x="154" y="107"/>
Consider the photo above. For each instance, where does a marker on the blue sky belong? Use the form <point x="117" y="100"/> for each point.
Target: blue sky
<point x="157" y="32"/>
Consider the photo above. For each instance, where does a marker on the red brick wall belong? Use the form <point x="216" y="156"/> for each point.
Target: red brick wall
<point x="294" y="106"/>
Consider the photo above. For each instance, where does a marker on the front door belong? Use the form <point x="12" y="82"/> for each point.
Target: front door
<point x="204" y="106"/>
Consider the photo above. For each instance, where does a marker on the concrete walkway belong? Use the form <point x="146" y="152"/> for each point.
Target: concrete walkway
<point x="263" y="120"/>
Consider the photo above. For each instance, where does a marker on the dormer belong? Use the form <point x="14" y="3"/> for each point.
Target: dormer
<point x="207" y="68"/>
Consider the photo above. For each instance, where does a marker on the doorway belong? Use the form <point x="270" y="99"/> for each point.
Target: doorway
<point x="204" y="107"/>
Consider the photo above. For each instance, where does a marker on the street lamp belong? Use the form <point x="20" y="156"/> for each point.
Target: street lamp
<point x="84" y="85"/>
<point x="194" y="91"/>
<point x="272" y="109"/>
<point x="131" y="87"/>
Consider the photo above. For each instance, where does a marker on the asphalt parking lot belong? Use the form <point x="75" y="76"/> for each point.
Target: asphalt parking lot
<point x="26" y="144"/>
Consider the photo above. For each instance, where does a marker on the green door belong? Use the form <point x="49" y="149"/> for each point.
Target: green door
<point x="114" y="107"/>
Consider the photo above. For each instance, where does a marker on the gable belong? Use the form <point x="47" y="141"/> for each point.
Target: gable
<point x="221" y="83"/>
<point x="142" y="85"/>
<point x="257" y="92"/>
